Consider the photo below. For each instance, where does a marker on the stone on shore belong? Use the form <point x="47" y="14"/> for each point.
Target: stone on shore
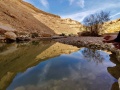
<point x="10" y="35"/>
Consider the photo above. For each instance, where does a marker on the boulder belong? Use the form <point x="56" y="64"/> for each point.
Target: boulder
<point x="117" y="39"/>
<point x="46" y="35"/>
<point x="2" y="31"/>
<point x="10" y="35"/>
<point x="109" y="38"/>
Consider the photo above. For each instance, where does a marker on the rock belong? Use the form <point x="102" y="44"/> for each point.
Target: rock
<point x="2" y="31"/>
<point x="46" y="35"/>
<point x="19" y="39"/>
<point x="10" y="35"/>
<point x="119" y="82"/>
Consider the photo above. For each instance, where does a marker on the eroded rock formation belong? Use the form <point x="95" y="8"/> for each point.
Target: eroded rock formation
<point x="23" y="17"/>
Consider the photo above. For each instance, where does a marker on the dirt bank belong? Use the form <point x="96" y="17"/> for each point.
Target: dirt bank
<point x="90" y="42"/>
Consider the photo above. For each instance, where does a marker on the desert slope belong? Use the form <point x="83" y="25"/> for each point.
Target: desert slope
<point x="112" y="26"/>
<point x="19" y="17"/>
<point x="24" y="17"/>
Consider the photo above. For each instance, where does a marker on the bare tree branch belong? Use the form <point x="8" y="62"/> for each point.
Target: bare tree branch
<point x="95" y="21"/>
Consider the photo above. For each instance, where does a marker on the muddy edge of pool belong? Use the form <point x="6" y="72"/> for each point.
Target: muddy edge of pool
<point x="90" y="42"/>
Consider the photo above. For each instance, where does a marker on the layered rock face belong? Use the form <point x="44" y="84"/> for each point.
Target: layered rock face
<point x="20" y="16"/>
<point x="111" y="26"/>
<point x="23" y="17"/>
<point x="58" y="25"/>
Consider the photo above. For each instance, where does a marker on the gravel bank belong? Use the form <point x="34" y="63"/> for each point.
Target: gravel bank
<point x="82" y="39"/>
<point x="90" y="42"/>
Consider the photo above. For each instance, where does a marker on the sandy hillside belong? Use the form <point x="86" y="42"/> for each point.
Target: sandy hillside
<point x="23" y="17"/>
<point x="112" y="26"/>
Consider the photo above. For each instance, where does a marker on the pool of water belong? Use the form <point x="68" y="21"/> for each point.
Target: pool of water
<point x="53" y="68"/>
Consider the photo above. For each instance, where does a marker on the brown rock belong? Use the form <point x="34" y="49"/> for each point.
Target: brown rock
<point x="46" y="35"/>
<point x="10" y="35"/>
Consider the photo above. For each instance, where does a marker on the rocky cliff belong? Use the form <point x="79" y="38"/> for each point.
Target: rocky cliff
<point x="20" y="16"/>
<point x="23" y="17"/>
<point x="112" y="26"/>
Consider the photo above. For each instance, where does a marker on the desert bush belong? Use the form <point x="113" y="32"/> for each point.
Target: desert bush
<point x="63" y="34"/>
<point x="34" y="35"/>
<point x="94" y="22"/>
<point x="85" y="33"/>
<point x="71" y="34"/>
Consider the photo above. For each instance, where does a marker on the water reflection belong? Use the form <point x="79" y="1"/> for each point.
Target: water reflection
<point x="94" y="55"/>
<point x="115" y="71"/>
<point x="68" y="72"/>
<point x="15" y="58"/>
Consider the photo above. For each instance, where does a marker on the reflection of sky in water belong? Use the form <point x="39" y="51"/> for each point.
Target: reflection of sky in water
<point x="67" y="72"/>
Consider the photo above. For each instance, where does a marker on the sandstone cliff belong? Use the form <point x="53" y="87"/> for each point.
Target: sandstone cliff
<point x="24" y="17"/>
<point x="20" y="16"/>
<point x="111" y="26"/>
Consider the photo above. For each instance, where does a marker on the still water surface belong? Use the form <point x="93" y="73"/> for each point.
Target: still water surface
<point x="56" y="66"/>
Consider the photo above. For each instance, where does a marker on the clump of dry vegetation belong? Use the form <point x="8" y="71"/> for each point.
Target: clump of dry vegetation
<point x="94" y="22"/>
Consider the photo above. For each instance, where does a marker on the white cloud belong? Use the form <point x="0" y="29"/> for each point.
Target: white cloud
<point x="29" y="1"/>
<point x="71" y="1"/>
<point x="45" y="3"/>
<point x="112" y="16"/>
<point x="81" y="3"/>
<point x="79" y="16"/>
<point x="77" y="2"/>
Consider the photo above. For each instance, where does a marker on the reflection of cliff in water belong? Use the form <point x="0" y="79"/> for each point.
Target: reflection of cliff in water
<point x="67" y="72"/>
<point x="15" y="58"/>
<point x="115" y="71"/>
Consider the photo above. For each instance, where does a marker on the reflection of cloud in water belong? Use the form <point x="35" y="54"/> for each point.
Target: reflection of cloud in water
<point x="67" y="72"/>
<point x="25" y="73"/>
<point x="76" y="55"/>
<point x="44" y="72"/>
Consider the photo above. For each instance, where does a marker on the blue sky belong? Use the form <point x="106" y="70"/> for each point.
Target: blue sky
<point x="78" y="9"/>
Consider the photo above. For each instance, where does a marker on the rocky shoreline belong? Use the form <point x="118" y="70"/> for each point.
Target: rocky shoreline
<point x="90" y="42"/>
<point x="24" y="39"/>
